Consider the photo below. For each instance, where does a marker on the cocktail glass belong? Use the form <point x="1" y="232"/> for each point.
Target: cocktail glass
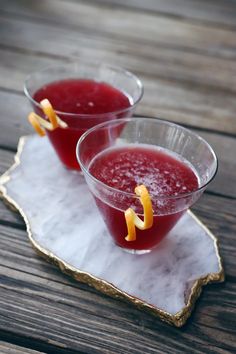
<point x="64" y="140"/>
<point x="186" y="146"/>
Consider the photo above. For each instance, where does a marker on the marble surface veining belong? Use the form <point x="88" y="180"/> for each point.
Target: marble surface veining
<point x="64" y="220"/>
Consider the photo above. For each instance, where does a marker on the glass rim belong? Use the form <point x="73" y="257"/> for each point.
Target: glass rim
<point x="80" y="115"/>
<point x="133" y="195"/>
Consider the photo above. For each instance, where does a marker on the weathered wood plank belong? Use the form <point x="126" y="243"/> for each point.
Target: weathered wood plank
<point x="10" y="217"/>
<point x="7" y="217"/>
<point x="95" y="323"/>
<point x="211" y="12"/>
<point x="224" y="147"/>
<point x="7" y="348"/>
<point x="14" y="111"/>
<point x="218" y="214"/>
<point x="6" y="160"/>
<point x="122" y="24"/>
<point x="16" y="66"/>
<point x="180" y="86"/>
<point x="163" y="64"/>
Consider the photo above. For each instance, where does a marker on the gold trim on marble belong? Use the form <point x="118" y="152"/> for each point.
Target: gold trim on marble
<point x="178" y="319"/>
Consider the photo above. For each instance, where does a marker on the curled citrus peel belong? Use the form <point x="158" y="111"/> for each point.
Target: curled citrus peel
<point x="40" y="124"/>
<point x="133" y="220"/>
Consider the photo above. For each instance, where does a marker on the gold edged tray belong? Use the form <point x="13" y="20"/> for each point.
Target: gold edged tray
<point x="11" y="197"/>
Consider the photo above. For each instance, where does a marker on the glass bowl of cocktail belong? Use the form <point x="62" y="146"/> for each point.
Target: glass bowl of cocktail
<point x="144" y="174"/>
<point x="70" y="98"/>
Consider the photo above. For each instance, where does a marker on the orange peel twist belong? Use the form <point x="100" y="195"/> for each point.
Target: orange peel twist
<point x="133" y="220"/>
<point x="40" y="124"/>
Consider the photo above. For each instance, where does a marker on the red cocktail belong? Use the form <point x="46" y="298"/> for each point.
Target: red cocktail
<point x="82" y="95"/>
<point x="163" y="175"/>
<point x="173" y="163"/>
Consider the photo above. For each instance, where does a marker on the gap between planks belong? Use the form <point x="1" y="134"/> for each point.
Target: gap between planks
<point x="32" y="346"/>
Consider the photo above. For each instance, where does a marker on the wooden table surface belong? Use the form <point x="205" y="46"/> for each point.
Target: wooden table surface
<point x="185" y="54"/>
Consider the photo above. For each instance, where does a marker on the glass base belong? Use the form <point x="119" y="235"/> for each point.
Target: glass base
<point x="73" y="170"/>
<point x="138" y="252"/>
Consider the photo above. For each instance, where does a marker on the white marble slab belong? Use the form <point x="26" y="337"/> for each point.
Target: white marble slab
<point x="64" y="220"/>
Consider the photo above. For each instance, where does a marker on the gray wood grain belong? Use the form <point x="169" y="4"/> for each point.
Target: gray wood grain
<point x="194" y="86"/>
<point x="104" y="22"/>
<point x="6" y="160"/>
<point x="215" y="13"/>
<point x="8" y="348"/>
<point x="165" y="64"/>
<point x="212" y="12"/>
